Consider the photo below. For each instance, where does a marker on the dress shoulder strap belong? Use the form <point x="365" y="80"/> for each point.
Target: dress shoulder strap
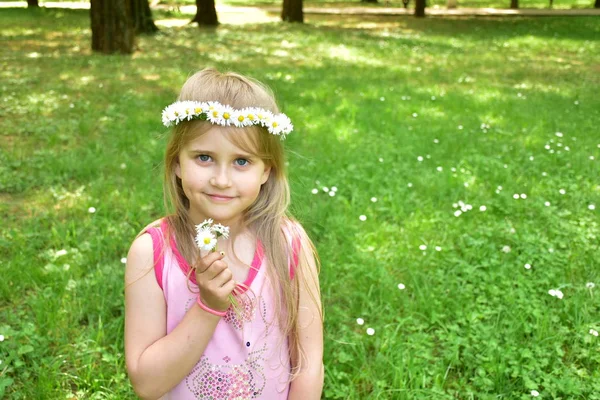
<point x="158" y="246"/>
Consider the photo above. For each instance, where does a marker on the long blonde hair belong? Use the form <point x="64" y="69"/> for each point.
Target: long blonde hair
<point x="266" y="216"/>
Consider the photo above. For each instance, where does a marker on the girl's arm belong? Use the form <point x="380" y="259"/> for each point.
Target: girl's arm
<point x="157" y="362"/>
<point x="309" y="384"/>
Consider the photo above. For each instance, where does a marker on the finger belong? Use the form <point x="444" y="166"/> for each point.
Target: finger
<point x="205" y="262"/>
<point x="214" y="270"/>
<point x="222" y="278"/>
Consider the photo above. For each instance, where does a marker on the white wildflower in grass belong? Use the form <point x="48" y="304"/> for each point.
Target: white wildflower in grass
<point x="482" y="208"/>
<point x="440" y="169"/>
<point x="535" y="393"/>
<point x="419" y="158"/>
<point x="592" y="158"/>
<point x="562" y="191"/>
<point x="363" y="217"/>
<point x="1" y="338"/>
<point x="92" y="210"/>
<point x="559" y="134"/>
<point x="516" y="196"/>
<point x="315" y="191"/>
<point x="401" y="286"/>
<point x="60" y="253"/>
<point x="523" y="196"/>
<point x="466" y="184"/>
<point x="550" y="250"/>
<point x="457" y="213"/>
<point x="334" y="189"/>
<point x="530" y="158"/>
<point x="547" y="204"/>
<point x="380" y="159"/>
<point x="544" y="174"/>
<point x="410" y="184"/>
<point x="123" y="166"/>
<point x="422" y="247"/>
<point x="556" y="293"/>
<point x="460" y="127"/>
<point x="205" y="239"/>
<point x="436" y="141"/>
<point x="332" y="193"/>
<point x="527" y="266"/>
<point x="325" y="189"/>
<point x="415" y="115"/>
<point x="123" y="260"/>
<point x="594" y="332"/>
<point x="506" y="249"/>
<point x="370" y="331"/>
<point x="590" y="285"/>
<point x="438" y="248"/>
<point x="360" y="321"/>
<point x="374" y="199"/>
<point x="592" y="207"/>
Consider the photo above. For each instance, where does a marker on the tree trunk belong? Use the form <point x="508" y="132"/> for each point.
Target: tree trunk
<point x="514" y="3"/>
<point x="368" y="1"/>
<point x="142" y="17"/>
<point x="292" y="11"/>
<point x="32" y="3"/>
<point x="112" y="26"/>
<point x="597" y="4"/>
<point x="206" y="13"/>
<point x="420" y="8"/>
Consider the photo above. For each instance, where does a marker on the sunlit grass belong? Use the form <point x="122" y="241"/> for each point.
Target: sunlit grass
<point x="429" y="117"/>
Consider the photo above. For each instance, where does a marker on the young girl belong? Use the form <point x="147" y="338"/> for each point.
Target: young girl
<point x="183" y="340"/>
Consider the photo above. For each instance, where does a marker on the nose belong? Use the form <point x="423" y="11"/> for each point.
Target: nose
<point x="221" y="177"/>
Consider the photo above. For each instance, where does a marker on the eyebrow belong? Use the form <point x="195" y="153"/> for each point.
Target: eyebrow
<point x="210" y="153"/>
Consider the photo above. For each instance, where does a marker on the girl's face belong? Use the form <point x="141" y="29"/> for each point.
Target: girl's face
<point x="219" y="179"/>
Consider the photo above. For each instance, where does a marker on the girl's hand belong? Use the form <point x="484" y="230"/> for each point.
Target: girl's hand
<point x="215" y="281"/>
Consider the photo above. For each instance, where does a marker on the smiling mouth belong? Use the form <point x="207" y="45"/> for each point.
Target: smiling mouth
<point x="220" y="198"/>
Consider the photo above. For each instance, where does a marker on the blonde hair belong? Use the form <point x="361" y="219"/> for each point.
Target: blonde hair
<point x="266" y="216"/>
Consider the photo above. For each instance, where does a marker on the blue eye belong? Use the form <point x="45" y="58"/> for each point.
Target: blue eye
<point x="245" y="162"/>
<point x="203" y="157"/>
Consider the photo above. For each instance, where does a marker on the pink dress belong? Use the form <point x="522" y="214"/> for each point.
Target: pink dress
<point x="247" y="357"/>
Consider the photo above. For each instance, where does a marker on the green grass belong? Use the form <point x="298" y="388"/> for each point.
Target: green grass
<point x="81" y="130"/>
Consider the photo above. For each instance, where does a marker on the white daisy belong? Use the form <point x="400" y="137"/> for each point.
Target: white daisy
<point x="535" y="393"/>
<point x="204" y="225"/>
<point x="220" y="230"/>
<point x="593" y="332"/>
<point x="370" y="331"/>
<point x="401" y="286"/>
<point x="205" y="240"/>
<point x="590" y="285"/>
<point x="360" y="321"/>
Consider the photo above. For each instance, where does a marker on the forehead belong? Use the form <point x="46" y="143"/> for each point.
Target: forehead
<point x="220" y="139"/>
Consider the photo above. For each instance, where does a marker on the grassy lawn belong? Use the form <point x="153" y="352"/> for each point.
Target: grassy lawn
<point x="428" y="129"/>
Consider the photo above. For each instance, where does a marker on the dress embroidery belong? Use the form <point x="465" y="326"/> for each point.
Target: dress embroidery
<point x="229" y="382"/>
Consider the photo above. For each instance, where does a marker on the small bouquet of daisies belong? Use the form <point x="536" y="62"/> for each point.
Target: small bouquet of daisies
<point x="207" y="234"/>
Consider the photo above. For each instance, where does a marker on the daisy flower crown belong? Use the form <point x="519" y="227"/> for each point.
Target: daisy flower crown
<point x="224" y="115"/>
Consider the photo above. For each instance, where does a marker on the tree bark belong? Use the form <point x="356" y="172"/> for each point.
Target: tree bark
<point x="420" y="8"/>
<point x="292" y="11"/>
<point x="206" y="13"/>
<point x="142" y="17"/>
<point x="597" y="4"/>
<point x="112" y="26"/>
<point x="514" y="4"/>
<point x="32" y="3"/>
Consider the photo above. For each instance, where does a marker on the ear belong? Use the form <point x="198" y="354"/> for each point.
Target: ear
<point x="265" y="175"/>
<point x="177" y="169"/>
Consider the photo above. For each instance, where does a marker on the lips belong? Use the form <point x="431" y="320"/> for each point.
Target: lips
<point x="219" y="197"/>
